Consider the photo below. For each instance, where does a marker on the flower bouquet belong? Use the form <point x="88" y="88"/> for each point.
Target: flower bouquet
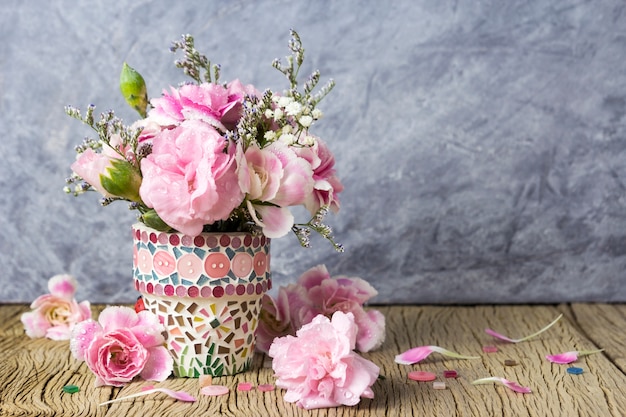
<point x="209" y="156"/>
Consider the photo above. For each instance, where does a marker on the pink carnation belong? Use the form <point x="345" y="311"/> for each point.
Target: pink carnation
<point x="190" y="178"/>
<point x="325" y="295"/>
<point x="319" y="368"/>
<point x="317" y="293"/>
<point x="122" y="345"/>
<point x="91" y="165"/>
<point x="273" y="320"/>
<point x="275" y="175"/>
<point x="55" y="314"/>
<point x="326" y="183"/>
<point x="211" y="103"/>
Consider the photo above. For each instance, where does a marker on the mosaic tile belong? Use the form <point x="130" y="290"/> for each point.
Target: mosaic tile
<point x="208" y="295"/>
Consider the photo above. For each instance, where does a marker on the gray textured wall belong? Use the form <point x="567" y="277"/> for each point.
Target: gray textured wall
<point x="482" y="143"/>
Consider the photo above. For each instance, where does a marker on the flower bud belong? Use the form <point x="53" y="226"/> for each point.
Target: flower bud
<point x="123" y="180"/>
<point x="152" y="219"/>
<point x="133" y="88"/>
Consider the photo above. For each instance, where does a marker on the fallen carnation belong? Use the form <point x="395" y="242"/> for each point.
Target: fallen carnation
<point x="569" y="357"/>
<point x="509" y="384"/>
<point x="420" y="353"/>
<point x="123" y="344"/>
<point x="319" y="368"/>
<point x="507" y="339"/>
<point x="317" y="293"/>
<point x="54" y="315"/>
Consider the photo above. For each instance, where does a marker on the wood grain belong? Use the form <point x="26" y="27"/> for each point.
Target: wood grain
<point x="33" y="372"/>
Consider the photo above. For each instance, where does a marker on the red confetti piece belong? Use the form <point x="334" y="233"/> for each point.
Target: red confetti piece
<point x="244" y="386"/>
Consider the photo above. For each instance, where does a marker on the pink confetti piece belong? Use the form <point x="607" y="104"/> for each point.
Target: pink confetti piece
<point x="419" y="353"/>
<point x="178" y="395"/>
<point x="205" y="380"/>
<point x="569" y="357"/>
<point x="244" y="386"/>
<point x="214" y="390"/>
<point x="507" y="339"/>
<point x="266" y="387"/>
<point x="509" y="384"/>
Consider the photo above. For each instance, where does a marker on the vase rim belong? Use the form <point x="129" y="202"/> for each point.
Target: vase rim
<point x="142" y="227"/>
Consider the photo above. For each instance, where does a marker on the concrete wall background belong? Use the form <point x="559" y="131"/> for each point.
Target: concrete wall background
<point x="482" y="143"/>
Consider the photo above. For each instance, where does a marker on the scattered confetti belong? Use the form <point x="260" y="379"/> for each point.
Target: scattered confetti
<point x="205" y="380"/>
<point x="574" y="370"/>
<point x="244" y="386"/>
<point x="266" y="387"/>
<point x="214" y="390"/>
<point x="509" y="384"/>
<point x="419" y="353"/>
<point x="71" y="389"/>
<point x="490" y="349"/>
<point x="450" y="374"/>
<point x="507" y="339"/>
<point x="178" y="395"/>
<point x="569" y="357"/>
<point x="509" y="362"/>
<point x="421" y="376"/>
<point x="439" y="385"/>
<point x="139" y="304"/>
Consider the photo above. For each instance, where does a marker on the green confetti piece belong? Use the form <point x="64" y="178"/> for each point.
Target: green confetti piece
<point x="71" y="389"/>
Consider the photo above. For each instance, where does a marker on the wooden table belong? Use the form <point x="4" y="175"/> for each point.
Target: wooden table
<point x="33" y="372"/>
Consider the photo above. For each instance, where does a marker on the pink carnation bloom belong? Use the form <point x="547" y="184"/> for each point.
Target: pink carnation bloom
<point x="319" y="368"/>
<point x="326" y="183"/>
<point x="325" y="295"/>
<point x="91" y="165"/>
<point x="122" y="345"/>
<point x="211" y="103"/>
<point x="190" y="178"/>
<point x="275" y="175"/>
<point x="55" y="314"/>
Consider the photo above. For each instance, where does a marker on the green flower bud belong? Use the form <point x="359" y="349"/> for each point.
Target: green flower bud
<point x="133" y="88"/>
<point x="123" y="180"/>
<point x="151" y="219"/>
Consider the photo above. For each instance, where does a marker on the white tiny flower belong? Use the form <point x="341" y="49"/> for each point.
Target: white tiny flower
<point x="307" y="141"/>
<point x="287" y="138"/>
<point x="287" y="129"/>
<point x="278" y="114"/>
<point x="275" y="97"/>
<point x="305" y="121"/>
<point x="317" y="114"/>
<point x="269" y="113"/>
<point x="270" y="135"/>
<point x="293" y="109"/>
<point x="284" y="101"/>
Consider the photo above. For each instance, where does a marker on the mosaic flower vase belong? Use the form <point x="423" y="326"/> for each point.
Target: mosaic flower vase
<point x="207" y="292"/>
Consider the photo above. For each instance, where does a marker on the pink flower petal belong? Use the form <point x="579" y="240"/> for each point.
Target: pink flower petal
<point x="419" y="353"/>
<point x="569" y="357"/>
<point x="63" y="286"/>
<point x="178" y="395"/>
<point x="509" y="384"/>
<point x="507" y="339"/>
<point x="158" y="366"/>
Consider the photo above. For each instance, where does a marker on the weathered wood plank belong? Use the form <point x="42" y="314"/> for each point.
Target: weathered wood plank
<point x="34" y="371"/>
<point x="605" y="325"/>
